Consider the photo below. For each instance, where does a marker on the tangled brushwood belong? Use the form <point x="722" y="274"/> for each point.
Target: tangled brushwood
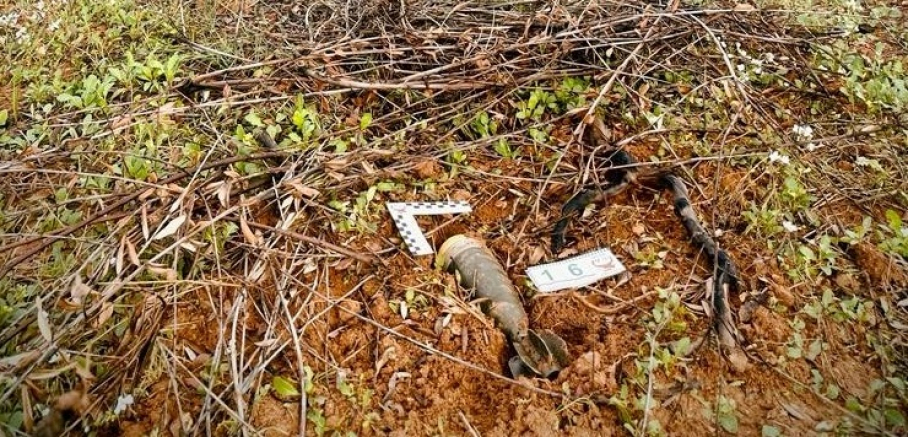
<point x="206" y="250"/>
<point x="725" y="280"/>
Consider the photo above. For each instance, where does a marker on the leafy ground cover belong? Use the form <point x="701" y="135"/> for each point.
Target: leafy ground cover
<point x="193" y="237"/>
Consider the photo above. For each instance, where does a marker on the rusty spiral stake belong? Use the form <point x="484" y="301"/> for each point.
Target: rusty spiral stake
<point x="538" y="352"/>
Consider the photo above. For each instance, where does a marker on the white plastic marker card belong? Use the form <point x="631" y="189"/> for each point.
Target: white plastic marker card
<point x="404" y="216"/>
<point x="578" y="271"/>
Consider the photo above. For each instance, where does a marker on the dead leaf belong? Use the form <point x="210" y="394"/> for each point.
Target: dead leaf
<point x="121" y="252"/>
<point x="257" y="272"/>
<point x="252" y="201"/>
<point x="392" y="383"/>
<point x="78" y="291"/>
<point x="428" y="169"/>
<point x="305" y="191"/>
<point x="799" y="412"/>
<point x="847" y="282"/>
<point x="738" y="360"/>
<point x="285" y="223"/>
<point x="571" y="251"/>
<point x="343" y="264"/>
<point x="147" y="194"/>
<point x="75" y="400"/>
<point x="744" y="7"/>
<point x="175" y="206"/>
<point x="164" y="272"/>
<point x="43" y="322"/>
<point x="439" y="325"/>
<point x="44" y="375"/>
<point x="121" y="122"/>
<point x="190" y="246"/>
<point x="185" y="423"/>
<point x="145" y="231"/>
<point x="285" y="204"/>
<point x="167" y="109"/>
<point x="105" y="314"/>
<point x="133" y="256"/>
<point x="193" y="383"/>
<point x="644" y="102"/>
<point x="267" y="342"/>
<point x="386" y="356"/>
<point x="224" y="194"/>
<point x="171" y="228"/>
<point x="190" y="353"/>
<point x="83" y="372"/>
<point x="337" y="164"/>
<point x="250" y="236"/>
<point x="461" y="195"/>
<point x="22" y="359"/>
<point x="536" y="255"/>
<point x="28" y="419"/>
<point x="348" y="309"/>
<point x="309" y="266"/>
<point x="373" y="246"/>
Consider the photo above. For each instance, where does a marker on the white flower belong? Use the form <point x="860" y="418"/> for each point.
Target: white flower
<point x="863" y="161"/>
<point x="775" y="156"/>
<point x="9" y="19"/>
<point x="22" y="34"/>
<point x="804" y="132"/>
<point x="54" y="26"/>
<point x="790" y="227"/>
<point x="852" y="5"/>
<point x="740" y="67"/>
<point x="123" y="402"/>
<point x="812" y="146"/>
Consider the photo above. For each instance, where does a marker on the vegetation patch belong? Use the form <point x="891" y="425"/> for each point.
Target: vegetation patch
<point x="194" y="238"/>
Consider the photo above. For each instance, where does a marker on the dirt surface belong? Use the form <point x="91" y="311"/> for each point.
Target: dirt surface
<point x="413" y="391"/>
<point x="232" y="324"/>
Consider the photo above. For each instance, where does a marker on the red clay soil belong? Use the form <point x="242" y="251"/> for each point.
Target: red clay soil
<point x="415" y="392"/>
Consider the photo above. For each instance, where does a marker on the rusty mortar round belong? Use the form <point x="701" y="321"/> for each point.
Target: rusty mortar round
<point x="454" y="246"/>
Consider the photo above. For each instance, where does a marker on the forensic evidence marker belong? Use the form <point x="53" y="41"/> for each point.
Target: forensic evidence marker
<point x="404" y="216"/>
<point x="579" y="271"/>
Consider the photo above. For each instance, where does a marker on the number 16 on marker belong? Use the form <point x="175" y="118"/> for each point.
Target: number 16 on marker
<point x="579" y="271"/>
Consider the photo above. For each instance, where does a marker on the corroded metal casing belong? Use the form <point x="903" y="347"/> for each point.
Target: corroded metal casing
<point x="480" y="271"/>
<point x="541" y="353"/>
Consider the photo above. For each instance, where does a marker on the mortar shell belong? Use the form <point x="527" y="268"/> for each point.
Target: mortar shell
<point x="479" y="270"/>
<point x="540" y="353"/>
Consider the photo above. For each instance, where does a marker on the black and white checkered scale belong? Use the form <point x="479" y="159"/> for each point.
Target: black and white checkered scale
<point x="402" y="213"/>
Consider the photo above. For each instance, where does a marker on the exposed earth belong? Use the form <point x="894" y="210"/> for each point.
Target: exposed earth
<point x="194" y="238"/>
